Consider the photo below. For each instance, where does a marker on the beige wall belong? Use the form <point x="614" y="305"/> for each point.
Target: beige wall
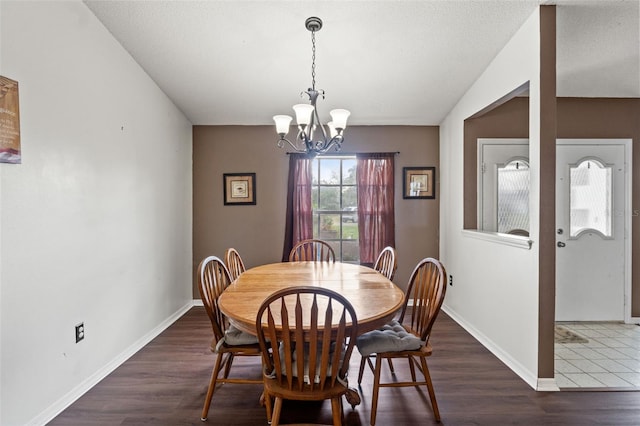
<point x="257" y="232"/>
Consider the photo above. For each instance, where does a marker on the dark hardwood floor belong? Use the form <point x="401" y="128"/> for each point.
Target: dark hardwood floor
<point x="165" y="384"/>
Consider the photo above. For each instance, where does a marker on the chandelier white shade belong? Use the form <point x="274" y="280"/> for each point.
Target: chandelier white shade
<point x="313" y="137"/>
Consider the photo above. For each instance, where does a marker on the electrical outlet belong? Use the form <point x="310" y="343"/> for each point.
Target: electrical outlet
<point x="450" y="280"/>
<point x="79" y="332"/>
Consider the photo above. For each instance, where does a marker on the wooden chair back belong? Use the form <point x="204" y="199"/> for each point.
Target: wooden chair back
<point x="234" y="263"/>
<point x="213" y="279"/>
<point x="427" y="288"/>
<point x="306" y="324"/>
<point x="312" y="250"/>
<point x="386" y="262"/>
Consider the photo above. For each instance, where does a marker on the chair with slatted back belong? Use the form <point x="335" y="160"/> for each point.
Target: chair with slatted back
<point x="411" y="340"/>
<point x="228" y="342"/>
<point x="234" y="263"/>
<point x="386" y="262"/>
<point x="299" y="324"/>
<point x="312" y="250"/>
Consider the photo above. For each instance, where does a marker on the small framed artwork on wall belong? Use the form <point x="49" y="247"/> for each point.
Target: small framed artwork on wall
<point x="418" y="182"/>
<point x="239" y="189"/>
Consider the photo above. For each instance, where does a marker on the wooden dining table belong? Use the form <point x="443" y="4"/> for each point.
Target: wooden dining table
<point x="374" y="297"/>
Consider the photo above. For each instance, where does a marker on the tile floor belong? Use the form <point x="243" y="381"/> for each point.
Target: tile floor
<point x="611" y="358"/>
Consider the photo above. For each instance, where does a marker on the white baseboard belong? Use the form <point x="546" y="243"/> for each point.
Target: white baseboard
<point x="197" y="302"/>
<point x="59" y="406"/>
<point x="529" y="377"/>
<point x="633" y="320"/>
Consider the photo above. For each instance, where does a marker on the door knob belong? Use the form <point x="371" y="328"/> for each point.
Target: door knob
<point x="561" y="244"/>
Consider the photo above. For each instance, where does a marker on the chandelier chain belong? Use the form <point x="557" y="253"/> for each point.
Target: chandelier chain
<point x="313" y="60"/>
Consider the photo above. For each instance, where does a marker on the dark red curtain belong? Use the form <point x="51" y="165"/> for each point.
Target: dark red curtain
<point x="299" y="221"/>
<point x="376" y="212"/>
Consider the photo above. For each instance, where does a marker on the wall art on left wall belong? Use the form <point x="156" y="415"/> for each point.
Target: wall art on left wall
<point x="9" y="122"/>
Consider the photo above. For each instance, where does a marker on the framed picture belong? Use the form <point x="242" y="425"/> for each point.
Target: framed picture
<point x="418" y="182"/>
<point x="10" y="151"/>
<point x="239" y="188"/>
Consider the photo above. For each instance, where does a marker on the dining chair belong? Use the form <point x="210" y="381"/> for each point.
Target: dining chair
<point x="411" y="340"/>
<point x="306" y="335"/>
<point x="386" y="262"/>
<point x="312" y="250"/>
<point x="228" y="342"/>
<point x="234" y="263"/>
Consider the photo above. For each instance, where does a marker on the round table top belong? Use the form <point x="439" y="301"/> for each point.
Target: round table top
<point x="374" y="298"/>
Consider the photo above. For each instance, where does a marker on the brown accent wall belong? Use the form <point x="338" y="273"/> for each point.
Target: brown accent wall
<point x="547" y="207"/>
<point x="258" y="231"/>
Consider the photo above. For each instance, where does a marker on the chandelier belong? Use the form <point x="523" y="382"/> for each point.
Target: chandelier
<point x="312" y="135"/>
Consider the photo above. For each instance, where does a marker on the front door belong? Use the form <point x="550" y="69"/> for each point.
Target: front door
<point x="590" y="230"/>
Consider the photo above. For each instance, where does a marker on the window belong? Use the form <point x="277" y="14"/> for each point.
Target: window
<point x="335" y="205"/>
<point x="503" y="192"/>
<point x="513" y="197"/>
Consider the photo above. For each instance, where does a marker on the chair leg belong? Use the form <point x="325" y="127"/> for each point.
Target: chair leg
<point x="376" y="389"/>
<point x="212" y="387"/>
<point x="336" y="410"/>
<point x="227" y="367"/>
<point x="277" y="408"/>
<point x="268" y="406"/>
<point x="391" y="366"/>
<point x="362" y="361"/>
<point x="370" y="364"/>
<point x="412" y="367"/>
<point x="432" y="393"/>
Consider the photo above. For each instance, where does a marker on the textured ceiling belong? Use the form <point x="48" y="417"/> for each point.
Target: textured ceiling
<point x="389" y="62"/>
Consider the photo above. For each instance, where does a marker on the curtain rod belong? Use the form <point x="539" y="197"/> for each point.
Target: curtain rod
<point x="349" y="153"/>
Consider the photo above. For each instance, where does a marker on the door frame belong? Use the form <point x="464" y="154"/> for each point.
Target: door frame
<point x="628" y="181"/>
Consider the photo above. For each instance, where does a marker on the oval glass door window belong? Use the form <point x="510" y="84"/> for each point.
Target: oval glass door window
<point x="591" y="198"/>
